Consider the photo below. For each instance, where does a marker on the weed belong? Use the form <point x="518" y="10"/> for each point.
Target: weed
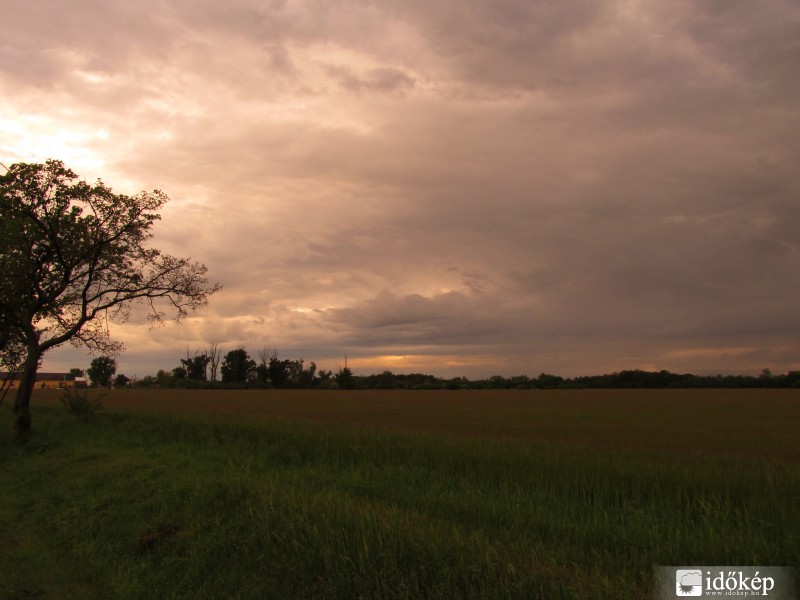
<point x="79" y="404"/>
<point x="149" y="539"/>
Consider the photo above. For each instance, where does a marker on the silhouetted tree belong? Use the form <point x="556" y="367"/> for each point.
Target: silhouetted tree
<point x="325" y="378"/>
<point x="102" y="371"/>
<point x="237" y="366"/>
<point x="385" y="380"/>
<point x="264" y="355"/>
<point x="307" y="375"/>
<point x="278" y="371"/>
<point x="345" y="376"/>
<point x="73" y="255"/>
<point x="545" y="380"/>
<point x="214" y="354"/>
<point x="195" y="365"/>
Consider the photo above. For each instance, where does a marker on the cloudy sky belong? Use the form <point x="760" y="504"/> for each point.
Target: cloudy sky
<point x="457" y="187"/>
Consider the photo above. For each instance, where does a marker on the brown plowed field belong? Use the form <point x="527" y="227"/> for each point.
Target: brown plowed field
<point x="737" y="423"/>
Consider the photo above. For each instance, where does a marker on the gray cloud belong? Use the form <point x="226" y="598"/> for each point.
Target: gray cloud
<point x="485" y="186"/>
<point x="384" y="79"/>
<point x="446" y="319"/>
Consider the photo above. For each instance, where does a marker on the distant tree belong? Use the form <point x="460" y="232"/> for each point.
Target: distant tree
<point x="294" y="371"/>
<point x="101" y="371"/>
<point x="792" y="379"/>
<point x="497" y="382"/>
<point x="385" y="380"/>
<point x="544" y="380"/>
<point x="237" y="367"/>
<point x="77" y="372"/>
<point x="262" y="367"/>
<point x="457" y="383"/>
<point x="519" y="382"/>
<point x="73" y="255"/>
<point x="148" y="381"/>
<point x="307" y="375"/>
<point x="214" y="353"/>
<point x="261" y="374"/>
<point x="121" y="381"/>
<point x="344" y="377"/>
<point x="271" y="369"/>
<point x="164" y="379"/>
<point x="278" y="371"/>
<point x="179" y="373"/>
<point x="325" y="378"/>
<point x="195" y="365"/>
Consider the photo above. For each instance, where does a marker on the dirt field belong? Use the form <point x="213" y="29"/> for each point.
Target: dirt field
<point x="760" y="424"/>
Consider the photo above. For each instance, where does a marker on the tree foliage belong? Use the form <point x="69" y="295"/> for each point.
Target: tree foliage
<point x="101" y="371"/>
<point x="73" y="257"/>
<point x="196" y="365"/>
<point x="344" y="376"/>
<point x="237" y="366"/>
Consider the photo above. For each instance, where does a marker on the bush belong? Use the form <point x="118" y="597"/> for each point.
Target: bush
<point x="80" y="405"/>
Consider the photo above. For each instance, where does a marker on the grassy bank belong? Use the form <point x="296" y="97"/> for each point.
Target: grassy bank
<point x="136" y="505"/>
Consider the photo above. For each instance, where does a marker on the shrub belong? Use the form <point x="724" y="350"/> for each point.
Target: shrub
<point x="80" y="405"/>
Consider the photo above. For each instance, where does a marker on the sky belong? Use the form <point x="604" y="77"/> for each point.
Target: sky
<point x="458" y="187"/>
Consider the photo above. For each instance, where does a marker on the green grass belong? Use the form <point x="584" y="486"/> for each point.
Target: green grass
<point x="327" y="510"/>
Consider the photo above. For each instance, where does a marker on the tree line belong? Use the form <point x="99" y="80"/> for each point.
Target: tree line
<point x="236" y="369"/>
<point x="209" y="368"/>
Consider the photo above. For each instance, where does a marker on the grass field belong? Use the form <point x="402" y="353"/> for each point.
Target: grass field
<point x="519" y="494"/>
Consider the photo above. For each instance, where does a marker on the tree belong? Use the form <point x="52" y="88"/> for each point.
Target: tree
<point x="307" y="375"/>
<point x="278" y="371"/>
<point x="262" y="367"/>
<point x="12" y="350"/>
<point x="195" y="365"/>
<point x="12" y="355"/>
<point x="75" y="255"/>
<point x="271" y="369"/>
<point x="121" y="381"/>
<point x="101" y="371"/>
<point x="237" y="366"/>
<point x="344" y="377"/>
<point x="325" y="378"/>
<point x="164" y="379"/>
<point x="213" y="354"/>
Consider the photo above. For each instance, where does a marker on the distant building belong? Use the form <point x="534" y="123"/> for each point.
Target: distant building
<point x="47" y="380"/>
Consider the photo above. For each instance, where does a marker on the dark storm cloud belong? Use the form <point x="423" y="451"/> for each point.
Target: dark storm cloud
<point x="564" y="186"/>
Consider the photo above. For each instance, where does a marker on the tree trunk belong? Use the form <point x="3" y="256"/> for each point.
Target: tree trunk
<point x="22" y="402"/>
